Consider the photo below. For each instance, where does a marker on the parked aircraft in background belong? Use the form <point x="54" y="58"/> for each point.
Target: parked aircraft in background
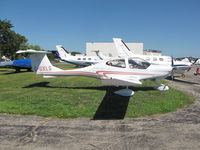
<point x="64" y="55"/>
<point x="116" y="72"/>
<point x="17" y="64"/>
<point x="124" y="51"/>
<point x="197" y="62"/>
<point x="179" y="67"/>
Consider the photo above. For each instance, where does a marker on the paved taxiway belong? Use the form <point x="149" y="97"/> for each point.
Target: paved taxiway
<point x="179" y="130"/>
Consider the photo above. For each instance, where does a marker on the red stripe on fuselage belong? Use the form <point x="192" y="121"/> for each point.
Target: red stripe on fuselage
<point x="122" y="73"/>
<point x="97" y="74"/>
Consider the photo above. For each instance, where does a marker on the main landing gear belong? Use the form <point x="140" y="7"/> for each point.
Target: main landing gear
<point x="125" y="92"/>
<point x="129" y="92"/>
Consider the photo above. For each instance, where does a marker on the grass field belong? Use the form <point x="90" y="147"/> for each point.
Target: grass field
<point x="72" y="97"/>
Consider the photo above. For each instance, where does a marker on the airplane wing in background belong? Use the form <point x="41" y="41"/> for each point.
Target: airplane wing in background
<point x="181" y="67"/>
<point x="6" y="63"/>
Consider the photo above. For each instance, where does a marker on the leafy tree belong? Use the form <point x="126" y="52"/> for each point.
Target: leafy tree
<point x="74" y="53"/>
<point x="35" y="47"/>
<point x="10" y="41"/>
<point x="25" y="46"/>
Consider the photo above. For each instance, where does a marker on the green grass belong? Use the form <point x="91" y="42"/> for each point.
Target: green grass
<point x="71" y="97"/>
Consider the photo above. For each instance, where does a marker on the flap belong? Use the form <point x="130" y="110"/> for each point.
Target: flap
<point x="128" y="80"/>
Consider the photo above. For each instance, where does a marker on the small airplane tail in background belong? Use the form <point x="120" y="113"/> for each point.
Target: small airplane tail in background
<point x="40" y="62"/>
<point x="101" y="55"/>
<point x="63" y="54"/>
<point x="122" y="48"/>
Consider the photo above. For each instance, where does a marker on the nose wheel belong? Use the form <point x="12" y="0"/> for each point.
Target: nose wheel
<point x="162" y="87"/>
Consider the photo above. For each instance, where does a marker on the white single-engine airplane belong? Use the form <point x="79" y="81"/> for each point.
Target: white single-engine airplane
<point x="116" y="72"/>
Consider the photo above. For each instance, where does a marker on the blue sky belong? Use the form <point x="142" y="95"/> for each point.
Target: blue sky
<point x="172" y="26"/>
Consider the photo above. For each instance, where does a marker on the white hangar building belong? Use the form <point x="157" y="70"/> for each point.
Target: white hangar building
<point x="109" y="50"/>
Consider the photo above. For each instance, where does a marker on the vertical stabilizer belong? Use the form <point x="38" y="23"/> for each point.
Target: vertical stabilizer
<point x="63" y="54"/>
<point x="122" y="48"/>
<point x="40" y="62"/>
<point x="101" y="55"/>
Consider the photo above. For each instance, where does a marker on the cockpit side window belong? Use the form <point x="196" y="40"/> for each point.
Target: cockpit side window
<point x="147" y="59"/>
<point x="154" y="58"/>
<point x="117" y="63"/>
<point x="138" y="64"/>
<point x="161" y="59"/>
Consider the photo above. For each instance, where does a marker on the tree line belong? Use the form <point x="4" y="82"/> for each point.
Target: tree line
<point x="10" y="41"/>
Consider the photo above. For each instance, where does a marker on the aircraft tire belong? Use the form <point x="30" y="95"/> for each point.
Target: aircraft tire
<point x="17" y="69"/>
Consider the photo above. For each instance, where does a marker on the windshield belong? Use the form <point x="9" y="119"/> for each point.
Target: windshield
<point x="138" y="63"/>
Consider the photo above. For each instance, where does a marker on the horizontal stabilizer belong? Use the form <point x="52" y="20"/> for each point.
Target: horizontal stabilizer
<point x="32" y="51"/>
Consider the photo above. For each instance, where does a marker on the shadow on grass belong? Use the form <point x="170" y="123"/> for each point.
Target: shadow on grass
<point x="13" y="71"/>
<point x="7" y="70"/>
<point x="182" y="81"/>
<point x="112" y="106"/>
<point x="107" y="88"/>
<point x="45" y="85"/>
<point x="3" y="70"/>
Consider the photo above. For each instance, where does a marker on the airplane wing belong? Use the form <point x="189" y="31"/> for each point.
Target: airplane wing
<point x="181" y="67"/>
<point x="123" y="80"/>
<point x="6" y="63"/>
<point x="128" y="80"/>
